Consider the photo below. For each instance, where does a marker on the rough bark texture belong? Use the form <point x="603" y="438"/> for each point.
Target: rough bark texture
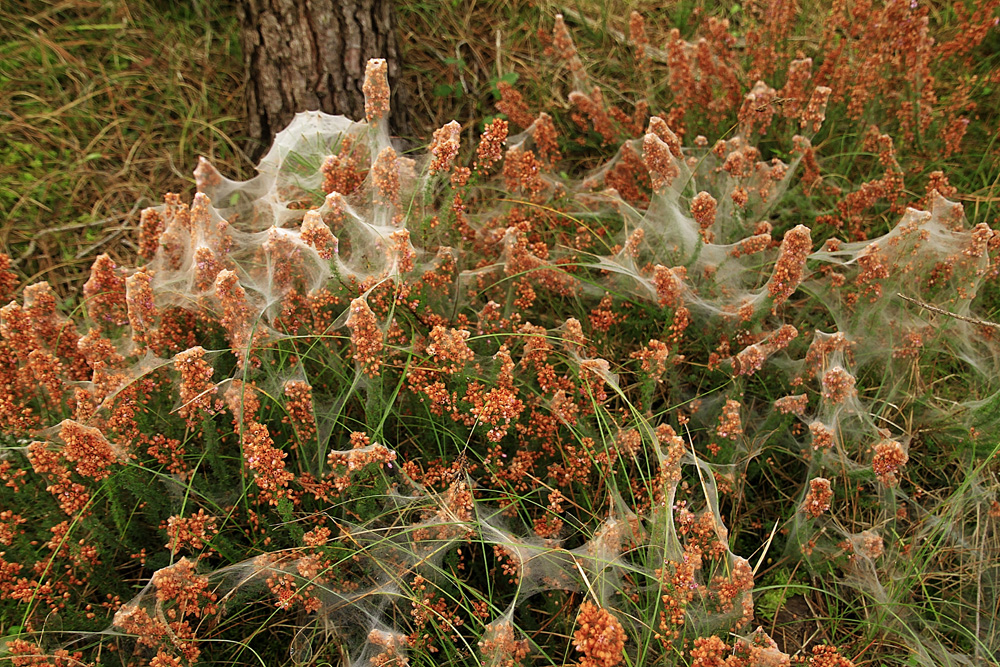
<point x="303" y="55"/>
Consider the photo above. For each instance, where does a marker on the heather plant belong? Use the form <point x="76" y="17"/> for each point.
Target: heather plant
<point x="380" y="408"/>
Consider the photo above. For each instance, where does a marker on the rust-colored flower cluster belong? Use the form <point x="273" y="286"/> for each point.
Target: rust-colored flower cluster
<point x="838" y="386"/>
<point x="299" y="405"/>
<point x="491" y="144"/>
<point x="599" y="636"/>
<point x="791" y="264"/>
<point x="817" y="501"/>
<point x="192" y="532"/>
<point x="550" y="359"/>
<point x="444" y="147"/>
<point x="500" y="648"/>
<point x="376" y="90"/>
<point x="196" y="387"/>
<point x="888" y="456"/>
<point x="366" y="337"/>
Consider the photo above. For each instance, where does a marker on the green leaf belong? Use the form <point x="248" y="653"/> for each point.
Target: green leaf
<point x="285" y="509"/>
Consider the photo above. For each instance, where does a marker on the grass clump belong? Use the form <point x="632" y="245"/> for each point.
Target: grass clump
<point x="95" y="128"/>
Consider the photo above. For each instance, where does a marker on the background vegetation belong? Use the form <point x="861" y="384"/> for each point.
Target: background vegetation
<point x="106" y="105"/>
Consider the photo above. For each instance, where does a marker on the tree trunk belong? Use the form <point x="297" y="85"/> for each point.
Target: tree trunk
<point x="303" y="55"/>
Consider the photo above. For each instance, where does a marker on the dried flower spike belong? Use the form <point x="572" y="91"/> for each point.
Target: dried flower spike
<point x="366" y="337"/>
<point x="376" y="90"/>
<point x="444" y="147"/>
<point x="818" y="499"/>
<point x="491" y="145"/>
<point x="599" y="636"/>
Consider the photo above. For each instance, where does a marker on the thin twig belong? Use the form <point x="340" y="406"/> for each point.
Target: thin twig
<point x="767" y="547"/>
<point x="941" y="311"/>
<point x="78" y="225"/>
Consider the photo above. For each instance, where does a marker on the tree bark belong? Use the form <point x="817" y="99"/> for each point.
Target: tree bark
<point x="303" y="55"/>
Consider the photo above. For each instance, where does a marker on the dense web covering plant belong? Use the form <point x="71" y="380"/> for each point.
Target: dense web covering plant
<point x="463" y="408"/>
